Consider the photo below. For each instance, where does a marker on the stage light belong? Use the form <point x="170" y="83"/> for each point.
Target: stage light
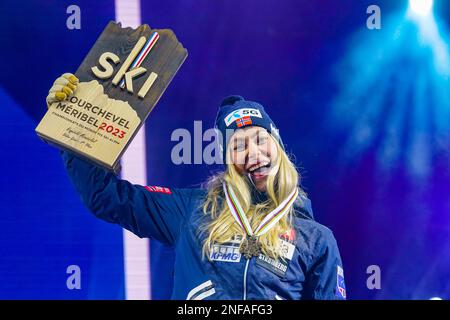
<point x="421" y="7"/>
<point x="436" y="298"/>
<point x="392" y="113"/>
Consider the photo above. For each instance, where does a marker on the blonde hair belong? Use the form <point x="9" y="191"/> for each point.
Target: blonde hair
<point x="282" y="179"/>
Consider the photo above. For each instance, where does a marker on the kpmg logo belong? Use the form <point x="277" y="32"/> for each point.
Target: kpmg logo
<point x="225" y="253"/>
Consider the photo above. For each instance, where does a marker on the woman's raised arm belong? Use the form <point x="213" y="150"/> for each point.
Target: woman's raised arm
<point x="151" y="212"/>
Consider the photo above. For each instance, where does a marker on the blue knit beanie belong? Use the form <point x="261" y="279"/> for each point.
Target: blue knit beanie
<point x="235" y="113"/>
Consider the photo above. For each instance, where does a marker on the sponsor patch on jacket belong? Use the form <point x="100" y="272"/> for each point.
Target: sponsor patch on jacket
<point x="240" y="113"/>
<point x="287" y="249"/>
<point x="340" y="286"/>
<point x="158" y="189"/>
<point x="278" y="266"/>
<point x="225" y="252"/>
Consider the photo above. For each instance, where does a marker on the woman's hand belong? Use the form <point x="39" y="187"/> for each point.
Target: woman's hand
<point x="63" y="86"/>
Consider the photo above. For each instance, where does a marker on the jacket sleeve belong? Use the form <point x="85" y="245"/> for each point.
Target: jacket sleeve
<point x="139" y="209"/>
<point x="325" y="280"/>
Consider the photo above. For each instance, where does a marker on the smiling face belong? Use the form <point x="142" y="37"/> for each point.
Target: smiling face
<point x="253" y="153"/>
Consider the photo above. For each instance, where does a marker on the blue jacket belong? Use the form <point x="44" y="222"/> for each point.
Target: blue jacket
<point x="312" y="268"/>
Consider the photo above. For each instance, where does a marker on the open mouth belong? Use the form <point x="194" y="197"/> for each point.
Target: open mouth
<point x="259" y="169"/>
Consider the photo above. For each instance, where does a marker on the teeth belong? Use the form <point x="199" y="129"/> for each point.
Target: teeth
<point x="251" y="169"/>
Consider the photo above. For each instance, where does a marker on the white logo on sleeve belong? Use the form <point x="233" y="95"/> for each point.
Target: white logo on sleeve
<point x="340" y="287"/>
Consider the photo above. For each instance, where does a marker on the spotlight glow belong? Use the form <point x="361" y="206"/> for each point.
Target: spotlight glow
<point x="395" y="115"/>
<point x="421" y="7"/>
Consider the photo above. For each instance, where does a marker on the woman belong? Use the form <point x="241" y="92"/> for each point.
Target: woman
<point x="249" y="234"/>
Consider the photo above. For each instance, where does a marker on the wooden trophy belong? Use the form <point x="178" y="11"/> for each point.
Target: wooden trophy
<point x="121" y="80"/>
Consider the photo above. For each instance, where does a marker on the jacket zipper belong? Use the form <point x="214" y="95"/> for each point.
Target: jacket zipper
<point x="245" y="279"/>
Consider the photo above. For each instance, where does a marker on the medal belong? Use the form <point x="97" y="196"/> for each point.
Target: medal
<point x="251" y="247"/>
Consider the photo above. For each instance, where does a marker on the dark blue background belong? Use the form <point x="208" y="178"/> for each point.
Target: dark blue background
<point x="291" y="56"/>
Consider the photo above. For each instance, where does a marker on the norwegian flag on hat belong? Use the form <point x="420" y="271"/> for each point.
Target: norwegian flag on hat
<point x="244" y="121"/>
